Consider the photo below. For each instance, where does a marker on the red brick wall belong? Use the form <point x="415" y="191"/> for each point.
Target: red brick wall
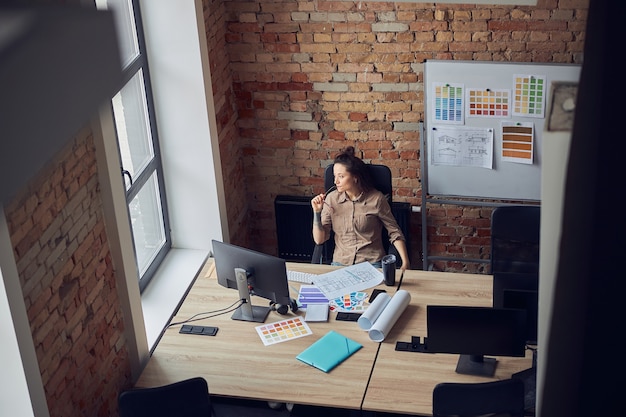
<point x="279" y="123"/>
<point x="312" y="77"/>
<point x="64" y="264"/>
<point x="226" y="116"/>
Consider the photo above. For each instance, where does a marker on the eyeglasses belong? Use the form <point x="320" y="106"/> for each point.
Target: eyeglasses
<point x="334" y="187"/>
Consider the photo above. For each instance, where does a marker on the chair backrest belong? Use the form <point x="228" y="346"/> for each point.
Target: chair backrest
<point x="188" y="398"/>
<point x="515" y="239"/>
<point x="518" y="290"/>
<point x="504" y="397"/>
<point x="381" y="177"/>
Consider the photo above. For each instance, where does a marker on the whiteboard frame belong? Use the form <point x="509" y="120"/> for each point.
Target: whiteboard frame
<point x="506" y="181"/>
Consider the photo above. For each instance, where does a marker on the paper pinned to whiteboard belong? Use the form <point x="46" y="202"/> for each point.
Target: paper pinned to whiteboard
<point x="462" y="146"/>
<point x="518" y="142"/>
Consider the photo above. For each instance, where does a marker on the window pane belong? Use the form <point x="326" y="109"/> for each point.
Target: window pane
<point x="147" y="223"/>
<point x="124" y="17"/>
<point x="133" y="130"/>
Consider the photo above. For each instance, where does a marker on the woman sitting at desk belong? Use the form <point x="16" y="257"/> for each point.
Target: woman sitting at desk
<point x="356" y="213"/>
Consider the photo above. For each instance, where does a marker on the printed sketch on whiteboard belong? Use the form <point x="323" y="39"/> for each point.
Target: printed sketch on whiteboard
<point x="462" y="146"/>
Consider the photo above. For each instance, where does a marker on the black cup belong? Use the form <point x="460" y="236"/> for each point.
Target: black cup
<point x="389" y="269"/>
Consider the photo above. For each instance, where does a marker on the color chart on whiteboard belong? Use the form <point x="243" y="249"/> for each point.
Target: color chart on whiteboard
<point x="517" y="142"/>
<point x="448" y="103"/>
<point x="488" y="103"/>
<point x="283" y="330"/>
<point x="529" y="97"/>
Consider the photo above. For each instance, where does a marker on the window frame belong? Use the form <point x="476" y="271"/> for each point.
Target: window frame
<point x="155" y="165"/>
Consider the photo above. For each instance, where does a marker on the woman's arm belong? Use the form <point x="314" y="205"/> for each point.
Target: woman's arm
<point x="400" y="246"/>
<point x="320" y="234"/>
<point x="394" y="231"/>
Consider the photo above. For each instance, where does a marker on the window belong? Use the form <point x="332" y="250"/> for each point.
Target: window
<point x="135" y="126"/>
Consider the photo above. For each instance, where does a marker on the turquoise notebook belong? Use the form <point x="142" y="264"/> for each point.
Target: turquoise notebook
<point x="329" y="351"/>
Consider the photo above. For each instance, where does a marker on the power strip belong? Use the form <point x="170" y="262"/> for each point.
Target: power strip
<point x="200" y="330"/>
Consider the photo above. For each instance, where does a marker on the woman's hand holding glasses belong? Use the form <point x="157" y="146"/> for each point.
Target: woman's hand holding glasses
<point x="319" y="200"/>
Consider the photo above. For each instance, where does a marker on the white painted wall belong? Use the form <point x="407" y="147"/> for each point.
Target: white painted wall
<point x="555" y="150"/>
<point x="14" y="398"/>
<point x="179" y="69"/>
<point x="120" y="238"/>
<point x="21" y="388"/>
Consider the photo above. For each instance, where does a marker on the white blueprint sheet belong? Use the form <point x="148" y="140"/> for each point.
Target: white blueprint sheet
<point x="348" y="279"/>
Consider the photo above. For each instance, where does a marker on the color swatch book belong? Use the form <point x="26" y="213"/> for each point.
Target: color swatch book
<point x="353" y="302"/>
<point x="283" y="330"/>
<point x="310" y="294"/>
<point x="329" y="351"/>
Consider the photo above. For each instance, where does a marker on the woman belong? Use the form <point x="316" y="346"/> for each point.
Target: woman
<point x="356" y="212"/>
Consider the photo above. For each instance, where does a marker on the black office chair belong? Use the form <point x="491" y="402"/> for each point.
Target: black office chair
<point x="188" y="398"/>
<point x="381" y="177"/>
<point x="515" y="239"/>
<point x="519" y="290"/>
<point x="497" y="398"/>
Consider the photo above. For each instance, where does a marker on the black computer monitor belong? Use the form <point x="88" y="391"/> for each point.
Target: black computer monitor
<point x="253" y="273"/>
<point x="474" y="332"/>
<point x="528" y="301"/>
<point x="518" y="290"/>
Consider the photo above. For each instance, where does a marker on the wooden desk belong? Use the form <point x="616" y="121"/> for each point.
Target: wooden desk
<point x="235" y="362"/>
<point x="403" y="382"/>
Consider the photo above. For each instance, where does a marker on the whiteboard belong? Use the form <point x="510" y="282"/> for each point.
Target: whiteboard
<point x="503" y="179"/>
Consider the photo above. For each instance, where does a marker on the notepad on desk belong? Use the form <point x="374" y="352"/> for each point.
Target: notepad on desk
<point x="329" y="351"/>
<point x="316" y="312"/>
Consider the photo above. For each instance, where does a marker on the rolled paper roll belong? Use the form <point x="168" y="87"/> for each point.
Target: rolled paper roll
<point x="390" y="314"/>
<point x="368" y="318"/>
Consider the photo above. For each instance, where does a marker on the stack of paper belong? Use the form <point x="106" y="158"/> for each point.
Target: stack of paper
<point x="316" y="312"/>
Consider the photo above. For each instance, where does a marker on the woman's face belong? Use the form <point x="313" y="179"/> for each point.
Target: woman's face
<point x="343" y="179"/>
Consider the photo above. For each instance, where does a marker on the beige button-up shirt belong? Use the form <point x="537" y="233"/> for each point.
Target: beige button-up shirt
<point x="358" y="226"/>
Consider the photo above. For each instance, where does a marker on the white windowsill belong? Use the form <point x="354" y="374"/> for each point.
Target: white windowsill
<point x="166" y="290"/>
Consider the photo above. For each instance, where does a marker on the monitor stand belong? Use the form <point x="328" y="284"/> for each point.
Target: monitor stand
<point x="246" y="311"/>
<point x="476" y="365"/>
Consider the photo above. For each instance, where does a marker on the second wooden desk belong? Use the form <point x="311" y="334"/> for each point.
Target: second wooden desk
<point x="403" y="382"/>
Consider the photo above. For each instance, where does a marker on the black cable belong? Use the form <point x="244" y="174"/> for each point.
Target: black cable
<point x="400" y="281"/>
<point x="213" y="313"/>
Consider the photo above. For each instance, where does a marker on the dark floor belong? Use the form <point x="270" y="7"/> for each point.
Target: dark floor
<point x="226" y="407"/>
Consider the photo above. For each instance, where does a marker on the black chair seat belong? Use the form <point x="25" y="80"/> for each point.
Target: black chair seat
<point x="501" y="398"/>
<point x="188" y="398"/>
